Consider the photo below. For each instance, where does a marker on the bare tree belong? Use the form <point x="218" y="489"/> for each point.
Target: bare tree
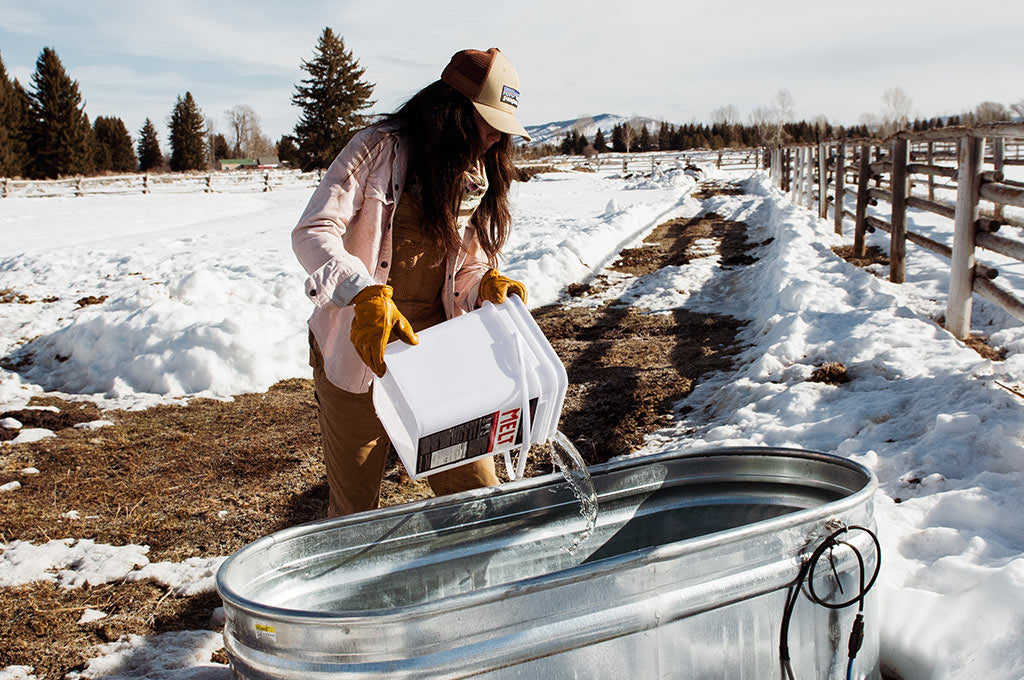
<point x="259" y="144"/>
<point x="631" y="132"/>
<point x="1018" y="108"/>
<point x="762" y="120"/>
<point x="990" y="112"/>
<point x="211" y="132"/>
<point x="583" y="121"/>
<point x="782" y="113"/>
<point x="242" y="121"/>
<point x="870" y="121"/>
<point x="725" y="115"/>
<point x="896" y="105"/>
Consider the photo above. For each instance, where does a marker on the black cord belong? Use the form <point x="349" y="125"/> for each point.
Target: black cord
<point x="807" y="572"/>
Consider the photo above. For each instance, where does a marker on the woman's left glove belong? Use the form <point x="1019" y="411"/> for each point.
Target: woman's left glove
<point x="495" y="288"/>
<point x="376" y="315"/>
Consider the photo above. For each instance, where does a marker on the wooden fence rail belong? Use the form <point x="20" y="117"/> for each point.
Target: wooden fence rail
<point x="892" y="170"/>
<point x="145" y="183"/>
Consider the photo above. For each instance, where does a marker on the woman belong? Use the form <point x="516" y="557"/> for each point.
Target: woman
<point x="402" y="233"/>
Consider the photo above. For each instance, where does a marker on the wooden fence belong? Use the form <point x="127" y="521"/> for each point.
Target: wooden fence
<point x="910" y="170"/>
<point x="643" y="163"/>
<point x="164" y="183"/>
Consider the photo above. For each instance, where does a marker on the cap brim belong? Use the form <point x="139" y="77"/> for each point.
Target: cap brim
<point x="501" y="121"/>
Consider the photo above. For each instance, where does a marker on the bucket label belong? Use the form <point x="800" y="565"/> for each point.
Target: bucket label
<point x="492" y="433"/>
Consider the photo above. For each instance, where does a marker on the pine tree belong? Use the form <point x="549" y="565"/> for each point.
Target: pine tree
<point x="287" y="151"/>
<point x="188" y="150"/>
<point x="600" y="145"/>
<point x="113" y="145"/>
<point x="332" y="100"/>
<point x="150" y="156"/>
<point x="618" y="138"/>
<point x="579" y="143"/>
<point x="13" y="121"/>
<point x="58" y="129"/>
<point x="220" y="147"/>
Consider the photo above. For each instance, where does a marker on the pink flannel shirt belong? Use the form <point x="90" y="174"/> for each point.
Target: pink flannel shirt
<point x="343" y="241"/>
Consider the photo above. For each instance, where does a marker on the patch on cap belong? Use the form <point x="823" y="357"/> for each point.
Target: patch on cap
<point x="510" y="96"/>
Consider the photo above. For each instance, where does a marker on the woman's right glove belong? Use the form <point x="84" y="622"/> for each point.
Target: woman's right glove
<point x="375" y="317"/>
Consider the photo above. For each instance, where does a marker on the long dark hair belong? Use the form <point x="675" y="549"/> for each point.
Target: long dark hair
<point x="440" y="129"/>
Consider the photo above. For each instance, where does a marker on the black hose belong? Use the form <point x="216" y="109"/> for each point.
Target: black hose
<point x="807" y="572"/>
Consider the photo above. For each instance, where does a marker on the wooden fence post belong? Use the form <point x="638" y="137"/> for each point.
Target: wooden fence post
<point x="209" y="183"/>
<point x="898" y="219"/>
<point x="266" y="180"/>
<point x="863" y="177"/>
<point x="961" y="272"/>
<point x="822" y="182"/>
<point x="78" y="187"/>
<point x="997" y="165"/>
<point x="840" y="203"/>
<point x="798" y="177"/>
<point x="7" y="189"/>
<point x="145" y="183"/>
<point x="931" y="178"/>
<point x="788" y="171"/>
<point x="809" y="178"/>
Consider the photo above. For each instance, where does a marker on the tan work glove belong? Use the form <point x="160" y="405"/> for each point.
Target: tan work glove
<point x="375" y="317"/>
<point x="494" y="288"/>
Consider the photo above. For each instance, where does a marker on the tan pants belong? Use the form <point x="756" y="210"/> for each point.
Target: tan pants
<point x="356" y="447"/>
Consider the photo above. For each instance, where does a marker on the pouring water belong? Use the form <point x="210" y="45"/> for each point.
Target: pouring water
<point x="571" y="465"/>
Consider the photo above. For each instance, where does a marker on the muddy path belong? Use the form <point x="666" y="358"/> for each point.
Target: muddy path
<point x="628" y="367"/>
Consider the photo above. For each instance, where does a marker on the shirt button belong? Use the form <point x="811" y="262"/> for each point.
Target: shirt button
<point x="396" y="187"/>
<point x="384" y="265"/>
<point x="312" y="293"/>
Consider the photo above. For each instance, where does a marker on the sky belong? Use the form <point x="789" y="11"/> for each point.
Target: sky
<point x="672" y="60"/>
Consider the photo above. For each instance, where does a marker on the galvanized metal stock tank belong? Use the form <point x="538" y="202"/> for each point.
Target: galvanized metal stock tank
<point x="684" y="576"/>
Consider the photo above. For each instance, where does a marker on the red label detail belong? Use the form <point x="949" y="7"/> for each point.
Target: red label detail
<point x="508" y="424"/>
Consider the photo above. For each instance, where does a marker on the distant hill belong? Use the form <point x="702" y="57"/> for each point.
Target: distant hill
<point x="554" y="133"/>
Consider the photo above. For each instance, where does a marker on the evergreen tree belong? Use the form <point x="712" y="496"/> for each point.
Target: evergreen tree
<point x="188" y="150"/>
<point x="567" y="144"/>
<point x="150" y="156"/>
<point x="13" y="120"/>
<point x="331" y="99"/>
<point x="287" y="151"/>
<point x="618" y="138"/>
<point x="579" y="143"/>
<point x="58" y="129"/>
<point x="220" y="147"/>
<point x="644" y="142"/>
<point x="113" y="145"/>
<point x="600" y="145"/>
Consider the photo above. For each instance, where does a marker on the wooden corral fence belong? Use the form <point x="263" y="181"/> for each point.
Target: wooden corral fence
<point x="648" y="162"/>
<point x="922" y="170"/>
<point x="164" y="183"/>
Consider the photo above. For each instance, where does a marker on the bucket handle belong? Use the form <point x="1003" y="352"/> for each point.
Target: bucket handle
<point x="516" y="471"/>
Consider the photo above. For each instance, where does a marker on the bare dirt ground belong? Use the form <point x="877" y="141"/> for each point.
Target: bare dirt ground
<point x="205" y="479"/>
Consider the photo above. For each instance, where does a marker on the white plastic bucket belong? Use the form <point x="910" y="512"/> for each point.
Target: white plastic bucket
<point x="461" y="393"/>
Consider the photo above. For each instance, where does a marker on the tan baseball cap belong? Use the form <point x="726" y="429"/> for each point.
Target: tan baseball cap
<point x="491" y="83"/>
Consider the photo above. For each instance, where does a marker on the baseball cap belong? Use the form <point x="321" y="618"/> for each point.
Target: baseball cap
<point x="491" y="83"/>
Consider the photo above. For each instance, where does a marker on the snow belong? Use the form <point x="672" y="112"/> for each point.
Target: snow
<point x="204" y="298"/>
<point x="180" y="655"/>
<point x="68" y="562"/>
<point x="31" y="434"/>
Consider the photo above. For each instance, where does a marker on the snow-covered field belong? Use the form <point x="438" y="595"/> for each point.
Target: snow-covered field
<point x="204" y="298"/>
